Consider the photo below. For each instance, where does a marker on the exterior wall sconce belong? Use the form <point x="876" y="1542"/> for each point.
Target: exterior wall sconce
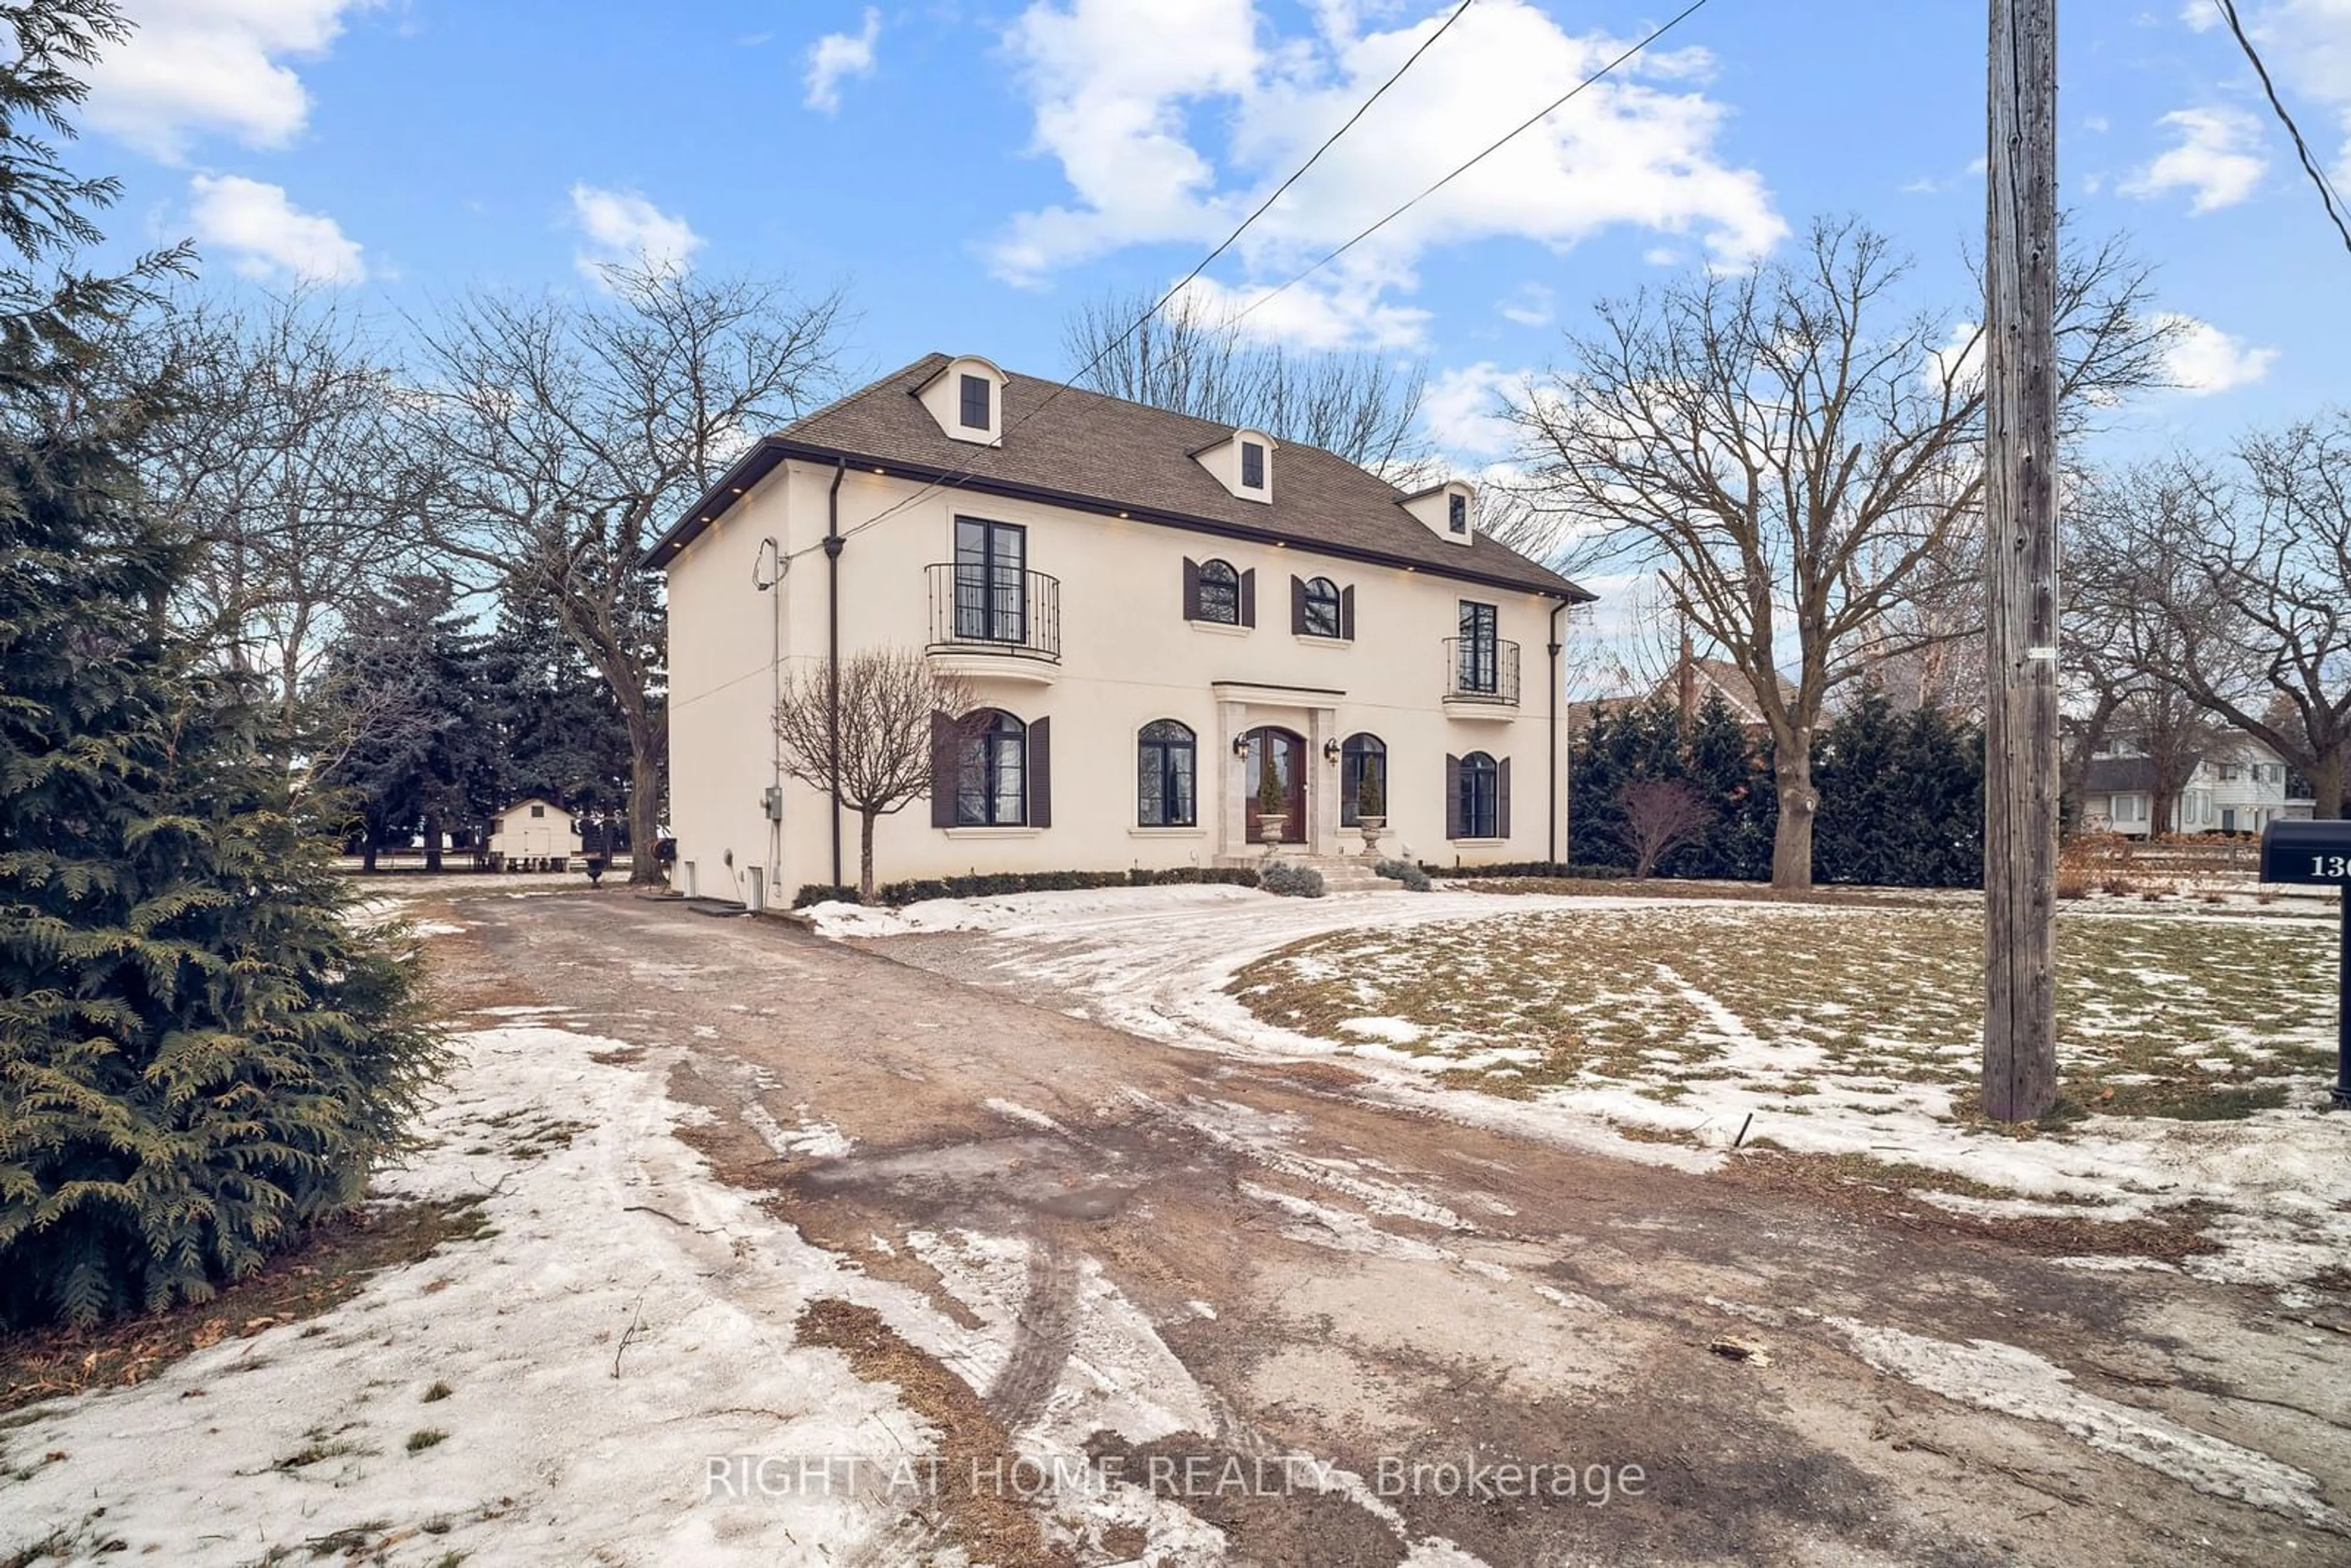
<point x="1331" y="749"/>
<point x="1240" y="746"/>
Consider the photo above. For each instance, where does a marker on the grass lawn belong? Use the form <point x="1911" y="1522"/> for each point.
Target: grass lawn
<point x="1880" y="1010"/>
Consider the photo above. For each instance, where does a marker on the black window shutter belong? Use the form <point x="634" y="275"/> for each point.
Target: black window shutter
<point x="1452" y="795"/>
<point x="943" y="770"/>
<point x="1248" y="597"/>
<point x="1296" y="605"/>
<point x="1041" y="773"/>
<point x="1347" y="612"/>
<point x="1191" y="588"/>
<point x="1503" y="799"/>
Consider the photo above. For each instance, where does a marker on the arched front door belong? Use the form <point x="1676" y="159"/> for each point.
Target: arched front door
<point x="1283" y="751"/>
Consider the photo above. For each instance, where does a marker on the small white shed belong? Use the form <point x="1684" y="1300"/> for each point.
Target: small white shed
<point x="533" y="830"/>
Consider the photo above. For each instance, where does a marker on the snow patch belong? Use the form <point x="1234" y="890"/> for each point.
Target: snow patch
<point x="810" y="1140"/>
<point x="1394" y="1031"/>
<point x="2014" y="1382"/>
<point x="615" y="1250"/>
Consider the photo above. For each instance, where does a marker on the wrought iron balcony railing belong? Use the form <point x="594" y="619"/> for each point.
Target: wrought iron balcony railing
<point x="978" y="610"/>
<point x="1482" y="670"/>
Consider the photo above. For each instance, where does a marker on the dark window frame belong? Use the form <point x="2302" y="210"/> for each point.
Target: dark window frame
<point x="991" y="583"/>
<point x="1481" y="795"/>
<point x="986" y="392"/>
<point x="1358" y="751"/>
<point x="1326" y="601"/>
<point x="982" y="787"/>
<point x="1170" y="759"/>
<point x="1480" y="662"/>
<point x="1253" y="465"/>
<point x="1230" y="585"/>
<point x="1457" y="512"/>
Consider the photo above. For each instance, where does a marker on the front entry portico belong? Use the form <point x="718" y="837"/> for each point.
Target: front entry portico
<point x="1294" y="725"/>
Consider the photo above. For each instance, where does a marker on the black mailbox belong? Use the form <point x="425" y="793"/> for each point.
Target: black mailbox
<point x="2319" y="852"/>
<point x="2307" y="852"/>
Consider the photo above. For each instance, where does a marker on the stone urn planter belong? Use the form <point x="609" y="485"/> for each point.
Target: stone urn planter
<point x="1270" y="828"/>
<point x="1372" y="827"/>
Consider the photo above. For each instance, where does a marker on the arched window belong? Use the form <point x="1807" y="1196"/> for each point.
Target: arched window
<point x="1220" y="592"/>
<point x="1362" y="757"/>
<point x="1481" y="798"/>
<point x="1166" y="767"/>
<point x="1319" y="608"/>
<point x="992" y="783"/>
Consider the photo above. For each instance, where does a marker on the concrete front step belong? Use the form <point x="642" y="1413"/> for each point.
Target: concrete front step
<point x="1341" y="874"/>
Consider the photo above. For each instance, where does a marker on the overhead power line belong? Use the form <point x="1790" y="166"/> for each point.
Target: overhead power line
<point x="1190" y="277"/>
<point x="1497" y="145"/>
<point x="2327" y="196"/>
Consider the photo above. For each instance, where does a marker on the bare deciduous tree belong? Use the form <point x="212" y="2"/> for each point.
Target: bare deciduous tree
<point x="1661" y="815"/>
<point x="2246" y="578"/>
<point x="1190" y="360"/>
<point x="884" y="761"/>
<point x="282" y="466"/>
<point x="2139" y="617"/>
<point x="569" y="432"/>
<point x="1797" y="451"/>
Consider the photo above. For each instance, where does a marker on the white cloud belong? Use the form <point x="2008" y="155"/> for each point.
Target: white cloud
<point x="1125" y="114"/>
<point x="2204" y="360"/>
<point x="1529" y="305"/>
<point x="2218" y="159"/>
<point x="838" y="55"/>
<point x="1462" y="410"/>
<point x="1342" y="309"/>
<point x="2307" y="44"/>
<point x="197" y="66"/>
<point x="267" y="236"/>
<point x="623" y="229"/>
<point x="1958" y="362"/>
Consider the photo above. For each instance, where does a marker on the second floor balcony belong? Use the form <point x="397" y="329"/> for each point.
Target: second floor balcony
<point x="1481" y="678"/>
<point x="995" y="619"/>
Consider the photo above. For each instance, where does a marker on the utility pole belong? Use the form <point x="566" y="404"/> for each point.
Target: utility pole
<point x="2020" y="1070"/>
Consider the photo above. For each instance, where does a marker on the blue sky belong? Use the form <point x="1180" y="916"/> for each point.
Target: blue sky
<point x="967" y="171"/>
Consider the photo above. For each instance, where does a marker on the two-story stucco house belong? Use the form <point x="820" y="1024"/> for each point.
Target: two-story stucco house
<point x="1154" y="612"/>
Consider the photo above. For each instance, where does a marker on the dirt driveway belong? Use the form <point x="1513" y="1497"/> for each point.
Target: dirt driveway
<point x="1175" y="1255"/>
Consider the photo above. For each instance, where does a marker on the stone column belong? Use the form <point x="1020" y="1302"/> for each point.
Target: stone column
<point x="1229" y="805"/>
<point x="1322" y="783"/>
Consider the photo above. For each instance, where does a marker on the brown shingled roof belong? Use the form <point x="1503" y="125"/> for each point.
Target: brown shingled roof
<point x="1106" y="454"/>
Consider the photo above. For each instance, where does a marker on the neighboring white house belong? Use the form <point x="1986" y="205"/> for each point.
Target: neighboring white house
<point x="533" y="830"/>
<point x="2240" y="785"/>
<point x="1151" y="608"/>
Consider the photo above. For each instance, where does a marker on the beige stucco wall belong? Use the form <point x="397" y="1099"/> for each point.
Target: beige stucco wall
<point x="1128" y="657"/>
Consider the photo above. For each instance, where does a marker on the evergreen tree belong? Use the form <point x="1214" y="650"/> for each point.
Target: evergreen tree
<point x="409" y="694"/>
<point x="1901" y="799"/>
<point x="1623" y="742"/>
<point x="559" y="734"/>
<point x="198" y="1055"/>
<point x="1626" y="741"/>
<point x="1727" y="767"/>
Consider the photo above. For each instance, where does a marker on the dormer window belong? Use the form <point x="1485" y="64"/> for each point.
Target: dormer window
<point x="966" y="397"/>
<point x="1242" y="463"/>
<point x="1445" y="510"/>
